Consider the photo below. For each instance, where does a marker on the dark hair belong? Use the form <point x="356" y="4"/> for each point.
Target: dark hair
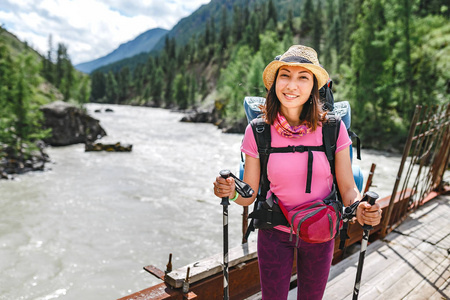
<point x="312" y="114"/>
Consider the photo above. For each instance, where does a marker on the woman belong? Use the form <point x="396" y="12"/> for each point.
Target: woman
<point x="293" y="110"/>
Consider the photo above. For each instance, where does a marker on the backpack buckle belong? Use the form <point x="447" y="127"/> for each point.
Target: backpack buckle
<point x="264" y="151"/>
<point x="259" y="128"/>
<point x="298" y="148"/>
<point x="331" y="118"/>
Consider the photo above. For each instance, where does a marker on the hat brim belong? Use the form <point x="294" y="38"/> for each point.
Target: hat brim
<point x="271" y="69"/>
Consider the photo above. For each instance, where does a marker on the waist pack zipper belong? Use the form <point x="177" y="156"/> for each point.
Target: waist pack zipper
<point x="301" y="221"/>
<point x="331" y="226"/>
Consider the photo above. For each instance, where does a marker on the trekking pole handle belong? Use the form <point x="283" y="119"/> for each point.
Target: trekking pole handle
<point x="225" y="174"/>
<point x="370" y="197"/>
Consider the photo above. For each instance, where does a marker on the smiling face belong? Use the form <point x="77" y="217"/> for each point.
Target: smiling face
<point x="293" y="88"/>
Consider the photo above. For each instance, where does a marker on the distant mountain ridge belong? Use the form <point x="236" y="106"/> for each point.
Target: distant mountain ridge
<point x="196" y="23"/>
<point x="145" y="42"/>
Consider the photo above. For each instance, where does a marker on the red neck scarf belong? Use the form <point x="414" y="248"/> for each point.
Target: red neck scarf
<point x="286" y="130"/>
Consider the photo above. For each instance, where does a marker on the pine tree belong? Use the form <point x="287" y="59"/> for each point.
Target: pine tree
<point x="318" y="28"/>
<point x="181" y="91"/>
<point x="168" y="90"/>
<point x="47" y="69"/>
<point x="157" y="87"/>
<point x="406" y="16"/>
<point x="213" y="31"/>
<point x="84" y="91"/>
<point x="208" y="33"/>
<point x="255" y="84"/>
<point x="252" y="32"/>
<point x="329" y="16"/>
<point x="237" y="24"/>
<point x="348" y="11"/>
<point x="64" y="77"/>
<point x="111" y="89"/>
<point x="272" y="13"/>
<point x="270" y="46"/>
<point x="124" y="83"/>
<point x="170" y="47"/>
<point x="61" y="54"/>
<point x="224" y="29"/>
<point x="245" y="16"/>
<point x="289" y="24"/>
<point x="308" y="17"/>
<point x="68" y="80"/>
<point x="192" y="91"/>
<point x="138" y="79"/>
<point x="98" y="83"/>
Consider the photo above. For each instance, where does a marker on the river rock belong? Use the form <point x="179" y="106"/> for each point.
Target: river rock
<point x="211" y="114"/>
<point x="237" y="126"/>
<point x="16" y="163"/>
<point x="117" y="147"/>
<point x="203" y="116"/>
<point x="70" y="124"/>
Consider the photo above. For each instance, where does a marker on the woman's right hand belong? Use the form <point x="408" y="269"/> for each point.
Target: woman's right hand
<point x="368" y="214"/>
<point x="224" y="187"/>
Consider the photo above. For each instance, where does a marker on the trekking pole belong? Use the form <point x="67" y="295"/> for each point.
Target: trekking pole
<point x="370" y="197"/>
<point x="225" y="202"/>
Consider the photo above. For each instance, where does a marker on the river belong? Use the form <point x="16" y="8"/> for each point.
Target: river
<point x="85" y="228"/>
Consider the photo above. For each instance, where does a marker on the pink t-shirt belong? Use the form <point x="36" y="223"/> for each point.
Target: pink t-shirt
<point x="287" y="172"/>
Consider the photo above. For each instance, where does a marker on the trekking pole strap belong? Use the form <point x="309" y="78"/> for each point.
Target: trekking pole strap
<point x="351" y="134"/>
<point x="242" y="188"/>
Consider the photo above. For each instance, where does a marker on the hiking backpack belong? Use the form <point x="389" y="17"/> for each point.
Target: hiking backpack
<point x="268" y="209"/>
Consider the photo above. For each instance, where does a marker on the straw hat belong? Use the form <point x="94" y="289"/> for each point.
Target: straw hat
<point x="297" y="55"/>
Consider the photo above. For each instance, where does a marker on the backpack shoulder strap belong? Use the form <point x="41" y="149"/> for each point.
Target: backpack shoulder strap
<point x="330" y="134"/>
<point x="261" y="131"/>
<point x="351" y="134"/>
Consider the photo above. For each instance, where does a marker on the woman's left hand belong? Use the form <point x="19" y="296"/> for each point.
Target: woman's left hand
<point x="368" y="214"/>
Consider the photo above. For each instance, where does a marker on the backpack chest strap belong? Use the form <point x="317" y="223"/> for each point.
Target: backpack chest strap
<point x="293" y="149"/>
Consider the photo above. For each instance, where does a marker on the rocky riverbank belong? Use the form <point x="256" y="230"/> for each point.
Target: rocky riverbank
<point x="19" y="163"/>
<point x="69" y="125"/>
<point x="212" y="115"/>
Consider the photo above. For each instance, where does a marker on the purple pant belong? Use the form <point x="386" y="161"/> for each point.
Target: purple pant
<point x="276" y="257"/>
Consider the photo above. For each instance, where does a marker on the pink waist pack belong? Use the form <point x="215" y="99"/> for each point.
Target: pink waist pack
<point x="317" y="221"/>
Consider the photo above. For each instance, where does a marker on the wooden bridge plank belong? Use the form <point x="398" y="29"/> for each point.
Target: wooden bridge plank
<point x="406" y="265"/>
<point x="379" y="258"/>
<point x="445" y="289"/>
<point x="427" y="257"/>
<point x="434" y="284"/>
<point x="418" y="267"/>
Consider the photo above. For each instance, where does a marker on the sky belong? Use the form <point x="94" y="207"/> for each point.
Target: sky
<point x="89" y="28"/>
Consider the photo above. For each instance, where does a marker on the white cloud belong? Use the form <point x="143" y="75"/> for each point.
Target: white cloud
<point x="90" y="28"/>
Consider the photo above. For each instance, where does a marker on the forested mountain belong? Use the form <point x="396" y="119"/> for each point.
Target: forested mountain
<point x="144" y="43"/>
<point x="196" y="23"/>
<point x="384" y="56"/>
